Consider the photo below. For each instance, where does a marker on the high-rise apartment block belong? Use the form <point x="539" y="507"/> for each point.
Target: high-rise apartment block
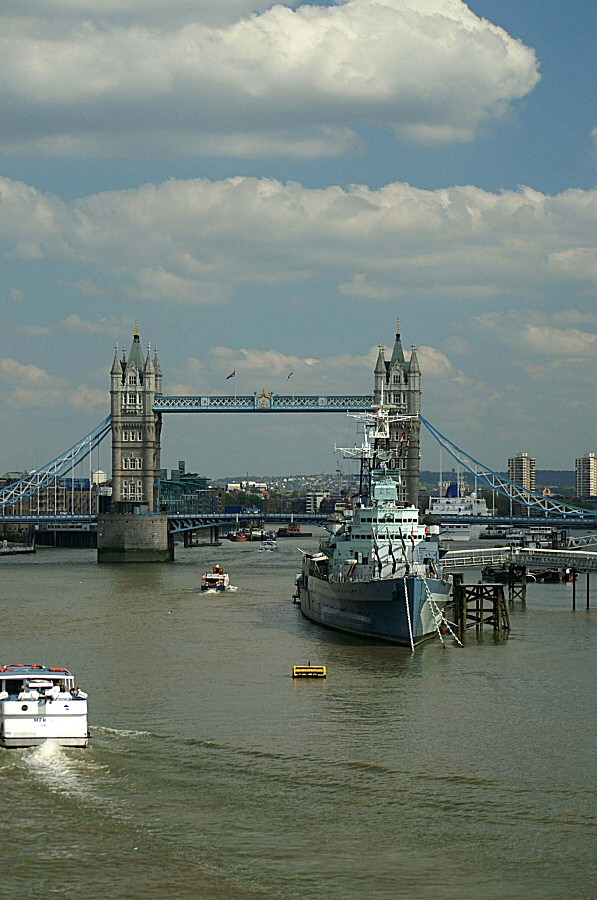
<point x="586" y="476"/>
<point x="522" y="471"/>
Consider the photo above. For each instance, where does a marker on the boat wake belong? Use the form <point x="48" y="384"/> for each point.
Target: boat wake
<point x="52" y="765"/>
<point x="232" y="588"/>
<point x="121" y="732"/>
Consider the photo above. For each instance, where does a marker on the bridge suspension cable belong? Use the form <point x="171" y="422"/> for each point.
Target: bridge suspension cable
<point x="41" y="478"/>
<point x="505" y="487"/>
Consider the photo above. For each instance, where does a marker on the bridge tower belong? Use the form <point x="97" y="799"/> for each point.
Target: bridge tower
<point x="134" y="530"/>
<point x="136" y="429"/>
<point x="397" y="387"/>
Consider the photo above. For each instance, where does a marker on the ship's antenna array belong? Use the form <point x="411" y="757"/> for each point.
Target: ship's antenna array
<point x="374" y="452"/>
<point x="376" y="428"/>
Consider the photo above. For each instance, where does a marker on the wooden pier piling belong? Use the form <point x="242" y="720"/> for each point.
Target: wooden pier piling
<point x="476" y="605"/>
<point x="517" y="584"/>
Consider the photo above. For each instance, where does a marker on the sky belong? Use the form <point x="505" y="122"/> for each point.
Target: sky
<point x="265" y="188"/>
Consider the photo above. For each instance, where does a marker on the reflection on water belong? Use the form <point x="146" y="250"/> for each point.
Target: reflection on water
<point x="212" y="773"/>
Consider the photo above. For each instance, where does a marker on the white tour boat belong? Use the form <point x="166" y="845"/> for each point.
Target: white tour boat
<point x="216" y="580"/>
<point x="269" y="544"/>
<point x="40" y="703"/>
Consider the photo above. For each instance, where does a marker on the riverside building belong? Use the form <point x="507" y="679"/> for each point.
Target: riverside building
<point x="586" y="476"/>
<point x="522" y="470"/>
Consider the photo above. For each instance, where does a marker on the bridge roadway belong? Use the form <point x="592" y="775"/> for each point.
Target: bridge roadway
<point x="579" y="560"/>
<point x="177" y="521"/>
<point x="206" y="520"/>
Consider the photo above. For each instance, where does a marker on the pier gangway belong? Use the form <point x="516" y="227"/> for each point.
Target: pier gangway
<point x="535" y="558"/>
<point x="457" y="560"/>
<point x="576" y="560"/>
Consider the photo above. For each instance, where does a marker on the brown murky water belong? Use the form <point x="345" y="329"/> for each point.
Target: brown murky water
<point x="451" y="773"/>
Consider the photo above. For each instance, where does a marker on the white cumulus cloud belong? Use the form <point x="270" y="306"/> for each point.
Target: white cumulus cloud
<point x="105" y="78"/>
<point x="203" y="242"/>
<point x="32" y="386"/>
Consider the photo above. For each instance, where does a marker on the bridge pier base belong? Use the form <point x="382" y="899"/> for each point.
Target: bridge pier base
<point x="123" y="538"/>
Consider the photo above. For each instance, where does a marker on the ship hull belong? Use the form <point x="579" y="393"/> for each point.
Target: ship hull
<point x="33" y="722"/>
<point x="375" y="609"/>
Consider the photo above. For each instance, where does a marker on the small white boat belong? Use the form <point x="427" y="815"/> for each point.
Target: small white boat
<point x="40" y="703"/>
<point x="268" y="545"/>
<point x="216" y="580"/>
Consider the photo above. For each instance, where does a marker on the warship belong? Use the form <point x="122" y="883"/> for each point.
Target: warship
<point x="378" y="574"/>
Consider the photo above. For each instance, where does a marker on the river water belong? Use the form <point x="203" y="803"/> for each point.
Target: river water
<point x="449" y="773"/>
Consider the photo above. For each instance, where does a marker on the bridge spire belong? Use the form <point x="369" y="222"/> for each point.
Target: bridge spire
<point x="398" y="352"/>
<point x="116" y="367"/>
<point x="414" y="362"/>
<point x="158" y="372"/>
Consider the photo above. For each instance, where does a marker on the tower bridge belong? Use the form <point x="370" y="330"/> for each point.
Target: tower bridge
<point x="135" y="529"/>
<point x="138" y="405"/>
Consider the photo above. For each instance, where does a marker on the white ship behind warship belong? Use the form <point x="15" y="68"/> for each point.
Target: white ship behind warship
<point x="457" y="503"/>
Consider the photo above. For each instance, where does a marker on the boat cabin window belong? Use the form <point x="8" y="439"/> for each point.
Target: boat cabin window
<point x="12" y="685"/>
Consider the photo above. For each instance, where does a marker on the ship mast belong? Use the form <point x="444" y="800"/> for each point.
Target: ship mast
<point x="374" y="454"/>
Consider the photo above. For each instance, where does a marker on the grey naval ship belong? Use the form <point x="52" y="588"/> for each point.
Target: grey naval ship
<point x="378" y="574"/>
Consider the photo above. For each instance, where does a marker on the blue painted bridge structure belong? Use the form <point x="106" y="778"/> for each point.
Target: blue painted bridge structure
<point x="263" y="402"/>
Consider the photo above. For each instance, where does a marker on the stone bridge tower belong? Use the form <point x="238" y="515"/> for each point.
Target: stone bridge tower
<point x="397" y="387"/>
<point x="134" y="530"/>
<point x="136" y="429"/>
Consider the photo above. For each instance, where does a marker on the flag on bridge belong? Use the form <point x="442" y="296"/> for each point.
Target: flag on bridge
<point x="232" y="374"/>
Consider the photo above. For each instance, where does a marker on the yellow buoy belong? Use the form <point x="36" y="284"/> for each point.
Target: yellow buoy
<point x="309" y="671"/>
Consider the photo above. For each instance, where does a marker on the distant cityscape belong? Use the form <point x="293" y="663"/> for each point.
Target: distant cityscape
<point x="318" y="493"/>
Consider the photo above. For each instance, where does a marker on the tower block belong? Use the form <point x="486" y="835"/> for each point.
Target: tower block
<point x="134" y="530"/>
<point x="397" y="387"/>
